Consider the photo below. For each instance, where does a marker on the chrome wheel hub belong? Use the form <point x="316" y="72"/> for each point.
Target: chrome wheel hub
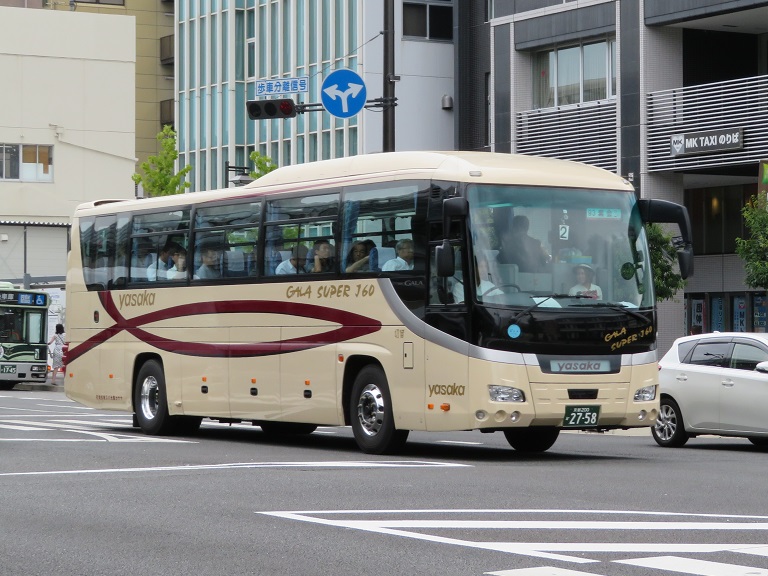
<point x="149" y="398"/>
<point x="370" y="410"/>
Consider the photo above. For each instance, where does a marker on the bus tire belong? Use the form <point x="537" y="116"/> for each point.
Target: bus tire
<point x="7" y="385"/>
<point x="287" y="428"/>
<point x="370" y="412"/>
<point x="533" y="439"/>
<point x="669" y="428"/>
<point x="150" y="402"/>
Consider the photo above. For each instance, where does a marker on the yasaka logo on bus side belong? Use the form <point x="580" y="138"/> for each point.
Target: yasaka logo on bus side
<point x="446" y="389"/>
<point x="143" y="299"/>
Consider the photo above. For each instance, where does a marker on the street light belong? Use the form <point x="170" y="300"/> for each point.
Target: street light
<point x="241" y="174"/>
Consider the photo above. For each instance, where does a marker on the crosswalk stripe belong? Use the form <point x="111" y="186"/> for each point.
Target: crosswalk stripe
<point x="541" y="571"/>
<point x="693" y="566"/>
<point x="26" y="428"/>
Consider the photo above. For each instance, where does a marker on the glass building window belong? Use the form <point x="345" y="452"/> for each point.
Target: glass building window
<point x="574" y="74"/>
<point x="430" y="20"/>
<point x="26" y="162"/>
<point x="717" y="212"/>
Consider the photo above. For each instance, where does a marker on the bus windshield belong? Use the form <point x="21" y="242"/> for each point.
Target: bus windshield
<point x="558" y="248"/>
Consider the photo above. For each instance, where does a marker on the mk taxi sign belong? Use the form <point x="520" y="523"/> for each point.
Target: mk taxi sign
<point x="708" y="141"/>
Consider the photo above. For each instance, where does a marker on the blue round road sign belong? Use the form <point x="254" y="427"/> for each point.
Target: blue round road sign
<point x="343" y="93"/>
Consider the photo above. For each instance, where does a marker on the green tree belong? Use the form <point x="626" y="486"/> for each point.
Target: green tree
<point x="264" y="165"/>
<point x="666" y="282"/>
<point x="754" y="249"/>
<point x="159" y="178"/>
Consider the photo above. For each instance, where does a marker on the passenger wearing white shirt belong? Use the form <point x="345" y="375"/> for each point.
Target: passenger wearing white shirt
<point x="295" y="263"/>
<point x="404" y="260"/>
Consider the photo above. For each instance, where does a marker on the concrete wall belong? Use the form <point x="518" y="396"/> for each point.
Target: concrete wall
<point x="68" y="82"/>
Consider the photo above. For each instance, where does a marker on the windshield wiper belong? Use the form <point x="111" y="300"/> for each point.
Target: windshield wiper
<point x="525" y="311"/>
<point x="618" y="308"/>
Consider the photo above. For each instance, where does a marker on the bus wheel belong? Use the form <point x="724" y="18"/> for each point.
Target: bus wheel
<point x="7" y="385"/>
<point x="534" y="439"/>
<point x="370" y="411"/>
<point x="287" y="428"/>
<point x="149" y="400"/>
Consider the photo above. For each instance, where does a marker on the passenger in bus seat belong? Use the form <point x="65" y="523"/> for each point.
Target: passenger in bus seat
<point x="322" y="257"/>
<point x="517" y="247"/>
<point x="179" y="269"/>
<point x="358" y="258"/>
<point x="404" y="259"/>
<point x="295" y="263"/>
<point x="210" y="254"/>
<point x="158" y="270"/>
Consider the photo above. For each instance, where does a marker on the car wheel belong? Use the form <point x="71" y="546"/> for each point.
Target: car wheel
<point x="669" y="430"/>
<point x="370" y="412"/>
<point x="534" y="439"/>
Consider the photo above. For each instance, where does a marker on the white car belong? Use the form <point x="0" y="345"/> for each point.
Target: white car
<point x="714" y="384"/>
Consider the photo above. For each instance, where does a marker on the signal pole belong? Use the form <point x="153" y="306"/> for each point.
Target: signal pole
<point x="388" y="94"/>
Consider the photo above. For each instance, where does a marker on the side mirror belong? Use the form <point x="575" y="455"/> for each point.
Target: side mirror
<point x="446" y="266"/>
<point x="452" y="208"/>
<point x="762" y="367"/>
<point x="664" y="211"/>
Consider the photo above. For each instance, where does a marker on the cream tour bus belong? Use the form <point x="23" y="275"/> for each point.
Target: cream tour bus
<point x="433" y="291"/>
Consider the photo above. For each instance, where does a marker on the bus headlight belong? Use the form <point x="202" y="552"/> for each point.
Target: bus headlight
<point x="645" y="394"/>
<point x="506" y="394"/>
<point x="39" y="369"/>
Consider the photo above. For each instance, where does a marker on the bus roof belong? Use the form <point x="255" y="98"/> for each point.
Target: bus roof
<point x="450" y="166"/>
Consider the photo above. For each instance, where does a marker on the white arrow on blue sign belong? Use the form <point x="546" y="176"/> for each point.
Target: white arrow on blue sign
<point x="343" y="93"/>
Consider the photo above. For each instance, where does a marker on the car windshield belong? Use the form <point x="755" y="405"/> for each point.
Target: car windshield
<point x="558" y="247"/>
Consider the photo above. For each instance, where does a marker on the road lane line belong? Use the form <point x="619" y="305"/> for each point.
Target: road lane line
<point x="363" y="464"/>
<point x="693" y="566"/>
<point x="18" y="427"/>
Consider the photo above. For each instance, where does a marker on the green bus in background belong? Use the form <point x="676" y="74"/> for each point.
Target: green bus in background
<point x="23" y="329"/>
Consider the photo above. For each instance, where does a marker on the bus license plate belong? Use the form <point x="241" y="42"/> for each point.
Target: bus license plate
<point x="8" y="369"/>
<point x="581" y="416"/>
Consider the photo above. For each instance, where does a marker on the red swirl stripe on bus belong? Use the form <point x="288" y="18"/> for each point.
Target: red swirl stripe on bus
<point x="351" y="326"/>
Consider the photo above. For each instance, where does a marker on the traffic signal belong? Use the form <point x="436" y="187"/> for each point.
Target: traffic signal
<point x="271" y="109"/>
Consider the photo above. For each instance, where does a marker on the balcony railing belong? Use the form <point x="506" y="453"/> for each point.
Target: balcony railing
<point x="731" y="105"/>
<point x="584" y="133"/>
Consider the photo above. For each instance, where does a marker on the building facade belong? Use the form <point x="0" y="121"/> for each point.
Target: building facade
<point x="672" y="95"/>
<point x="224" y="48"/>
<point x="62" y="143"/>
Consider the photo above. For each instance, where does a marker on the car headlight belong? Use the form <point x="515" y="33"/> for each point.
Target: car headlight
<point x="506" y="394"/>
<point x="645" y="394"/>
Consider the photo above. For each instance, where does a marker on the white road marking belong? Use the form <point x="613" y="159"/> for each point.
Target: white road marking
<point x="547" y="550"/>
<point x="459" y="442"/>
<point x="73" y="407"/>
<point x="542" y="571"/>
<point x="247" y="465"/>
<point x="693" y="566"/>
<point x="12" y="427"/>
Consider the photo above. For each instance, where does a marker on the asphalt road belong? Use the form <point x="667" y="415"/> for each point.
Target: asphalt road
<point x="83" y="493"/>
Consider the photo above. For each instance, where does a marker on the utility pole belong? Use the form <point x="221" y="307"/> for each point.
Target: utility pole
<point x="388" y="94"/>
